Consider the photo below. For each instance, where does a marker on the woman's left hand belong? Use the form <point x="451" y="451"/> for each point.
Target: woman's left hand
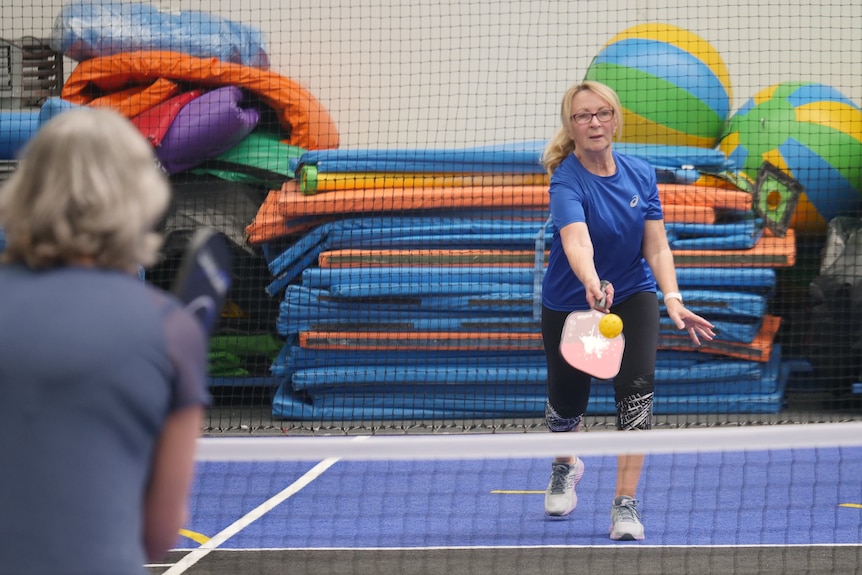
<point x="697" y="327"/>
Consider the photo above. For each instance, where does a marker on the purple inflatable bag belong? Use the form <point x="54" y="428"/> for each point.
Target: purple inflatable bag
<point x="206" y="127"/>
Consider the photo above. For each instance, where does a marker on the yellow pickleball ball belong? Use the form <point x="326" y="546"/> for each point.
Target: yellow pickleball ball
<point x="611" y="325"/>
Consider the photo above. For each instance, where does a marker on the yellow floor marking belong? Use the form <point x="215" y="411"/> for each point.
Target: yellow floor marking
<point x="196" y="537"/>
<point x="856" y="505"/>
<point x="514" y="492"/>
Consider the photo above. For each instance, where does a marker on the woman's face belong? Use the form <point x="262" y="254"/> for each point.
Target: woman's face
<point x="590" y="133"/>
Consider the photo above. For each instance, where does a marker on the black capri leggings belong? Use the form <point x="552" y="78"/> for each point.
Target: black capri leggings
<point x="569" y="389"/>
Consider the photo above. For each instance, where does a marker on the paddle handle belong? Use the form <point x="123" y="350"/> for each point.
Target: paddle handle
<point x="600" y="305"/>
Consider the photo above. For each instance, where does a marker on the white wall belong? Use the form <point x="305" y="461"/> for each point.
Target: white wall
<point x="397" y="73"/>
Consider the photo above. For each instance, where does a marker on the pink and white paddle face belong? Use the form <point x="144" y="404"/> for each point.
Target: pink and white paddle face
<point x="585" y="348"/>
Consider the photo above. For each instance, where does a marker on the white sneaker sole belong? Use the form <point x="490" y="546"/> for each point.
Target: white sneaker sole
<point x="627" y="532"/>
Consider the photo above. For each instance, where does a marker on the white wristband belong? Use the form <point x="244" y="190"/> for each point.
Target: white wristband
<point x="673" y="295"/>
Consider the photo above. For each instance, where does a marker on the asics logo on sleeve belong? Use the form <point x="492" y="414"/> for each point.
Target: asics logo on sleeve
<point x="633" y="202"/>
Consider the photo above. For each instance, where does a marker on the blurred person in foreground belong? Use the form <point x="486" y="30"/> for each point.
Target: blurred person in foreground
<point x="103" y="378"/>
<point x="608" y="225"/>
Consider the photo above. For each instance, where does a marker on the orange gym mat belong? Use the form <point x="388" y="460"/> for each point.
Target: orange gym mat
<point x="288" y="210"/>
<point x="770" y="251"/>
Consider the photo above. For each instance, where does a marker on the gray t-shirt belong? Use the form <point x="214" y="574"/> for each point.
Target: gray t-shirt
<point x="92" y="362"/>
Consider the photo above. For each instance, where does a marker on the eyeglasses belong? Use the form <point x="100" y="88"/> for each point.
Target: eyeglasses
<point x="605" y="115"/>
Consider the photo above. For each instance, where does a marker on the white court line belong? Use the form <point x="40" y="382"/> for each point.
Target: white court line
<point x="217" y="540"/>
<point x="609" y="545"/>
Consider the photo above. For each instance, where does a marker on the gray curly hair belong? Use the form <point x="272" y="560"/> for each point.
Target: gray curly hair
<point x="87" y="189"/>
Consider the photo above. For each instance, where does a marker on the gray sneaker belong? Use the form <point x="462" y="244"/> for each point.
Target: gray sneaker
<point x="626" y="520"/>
<point x="560" y="497"/>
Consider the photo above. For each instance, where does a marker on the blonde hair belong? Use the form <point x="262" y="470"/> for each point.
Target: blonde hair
<point x="87" y="188"/>
<point x="562" y="143"/>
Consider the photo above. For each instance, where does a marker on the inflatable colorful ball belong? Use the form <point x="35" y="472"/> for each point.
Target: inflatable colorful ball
<point x="673" y="85"/>
<point x="811" y="132"/>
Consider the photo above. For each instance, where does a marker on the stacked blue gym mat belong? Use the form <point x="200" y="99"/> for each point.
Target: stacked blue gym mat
<point x="504" y="375"/>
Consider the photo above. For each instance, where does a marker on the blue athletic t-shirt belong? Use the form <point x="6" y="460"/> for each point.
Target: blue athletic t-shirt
<point x="615" y="209"/>
<point x="92" y="362"/>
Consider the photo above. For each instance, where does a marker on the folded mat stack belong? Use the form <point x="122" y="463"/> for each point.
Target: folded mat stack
<point x="410" y="286"/>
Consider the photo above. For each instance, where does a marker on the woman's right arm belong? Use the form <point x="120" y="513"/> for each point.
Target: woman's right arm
<point x="166" y="498"/>
<point x="578" y="247"/>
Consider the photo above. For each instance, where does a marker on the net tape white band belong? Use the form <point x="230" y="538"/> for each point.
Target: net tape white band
<point x="529" y="445"/>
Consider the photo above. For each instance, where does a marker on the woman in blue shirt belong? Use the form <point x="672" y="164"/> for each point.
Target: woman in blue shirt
<point x="608" y="225"/>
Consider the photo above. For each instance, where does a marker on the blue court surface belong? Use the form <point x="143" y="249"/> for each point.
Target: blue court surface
<point x="805" y="497"/>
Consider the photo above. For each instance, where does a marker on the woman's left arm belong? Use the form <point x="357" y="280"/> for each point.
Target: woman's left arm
<point x="659" y="257"/>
